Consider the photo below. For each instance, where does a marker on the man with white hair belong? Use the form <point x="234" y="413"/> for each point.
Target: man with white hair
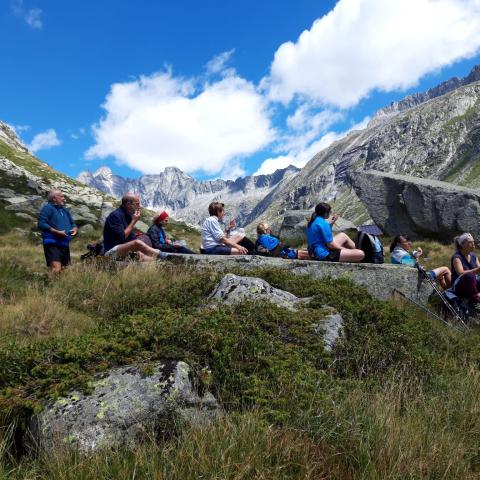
<point x="118" y="233"/>
<point x="57" y="227"/>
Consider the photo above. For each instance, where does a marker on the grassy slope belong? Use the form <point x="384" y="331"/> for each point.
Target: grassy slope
<point x="401" y="400"/>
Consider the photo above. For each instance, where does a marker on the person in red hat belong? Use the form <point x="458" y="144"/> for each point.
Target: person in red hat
<point x="159" y="238"/>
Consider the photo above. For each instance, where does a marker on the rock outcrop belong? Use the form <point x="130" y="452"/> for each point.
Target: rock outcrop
<point x="418" y="207"/>
<point x="380" y="280"/>
<point x="123" y="406"/>
<point x="234" y="289"/>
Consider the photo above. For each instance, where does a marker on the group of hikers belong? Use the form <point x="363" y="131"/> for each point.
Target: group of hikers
<point x="120" y="239"/>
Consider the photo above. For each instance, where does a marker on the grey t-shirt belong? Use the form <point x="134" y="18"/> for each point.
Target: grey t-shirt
<point x="212" y="232"/>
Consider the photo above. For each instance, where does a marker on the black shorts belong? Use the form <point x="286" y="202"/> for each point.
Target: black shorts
<point x="333" y="256"/>
<point x="54" y="253"/>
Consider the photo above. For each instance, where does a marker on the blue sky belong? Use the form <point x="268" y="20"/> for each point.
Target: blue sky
<point x="217" y="88"/>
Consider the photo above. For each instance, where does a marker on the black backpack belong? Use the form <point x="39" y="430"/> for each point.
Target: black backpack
<point x="94" y="250"/>
<point x="368" y="241"/>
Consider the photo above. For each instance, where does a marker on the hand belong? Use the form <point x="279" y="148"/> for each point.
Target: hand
<point x="419" y="252"/>
<point x="60" y="233"/>
<point x="232" y="224"/>
<point x="242" y="250"/>
<point x="334" y="218"/>
<point x="136" y="215"/>
<point x="73" y="231"/>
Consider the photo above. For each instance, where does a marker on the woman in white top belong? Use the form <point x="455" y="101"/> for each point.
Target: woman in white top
<point x="214" y="240"/>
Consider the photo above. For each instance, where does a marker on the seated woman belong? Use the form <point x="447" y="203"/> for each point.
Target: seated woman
<point x="465" y="268"/>
<point x="322" y="245"/>
<point x="159" y="238"/>
<point x="216" y="241"/>
<point x="270" y="245"/>
<point x="402" y="254"/>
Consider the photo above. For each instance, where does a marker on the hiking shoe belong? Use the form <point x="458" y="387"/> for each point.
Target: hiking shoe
<point x="162" y="255"/>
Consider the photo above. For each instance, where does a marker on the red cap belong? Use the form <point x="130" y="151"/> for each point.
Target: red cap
<point x="162" y="216"/>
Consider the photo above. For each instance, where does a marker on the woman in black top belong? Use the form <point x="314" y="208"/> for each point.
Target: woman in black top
<point x="465" y="267"/>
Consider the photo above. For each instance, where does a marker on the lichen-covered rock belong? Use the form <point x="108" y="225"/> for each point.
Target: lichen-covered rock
<point x="234" y="289"/>
<point x="122" y="406"/>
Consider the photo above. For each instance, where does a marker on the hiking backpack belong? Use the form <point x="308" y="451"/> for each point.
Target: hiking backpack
<point x="368" y="240"/>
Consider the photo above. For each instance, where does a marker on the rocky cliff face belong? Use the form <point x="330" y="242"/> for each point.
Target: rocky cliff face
<point x="438" y="139"/>
<point x="25" y="182"/>
<point x="178" y="192"/>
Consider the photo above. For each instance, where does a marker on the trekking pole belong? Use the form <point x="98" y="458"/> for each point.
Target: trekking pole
<point x="432" y="283"/>
<point x="426" y="310"/>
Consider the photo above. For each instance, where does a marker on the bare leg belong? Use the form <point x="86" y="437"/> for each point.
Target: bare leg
<point x="351" y="255"/>
<point x="138" y="246"/>
<point x="55" y="268"/>
<point x="342" y="240"/>
<point x="443" y="276"/>
<point x="238" y="237"/>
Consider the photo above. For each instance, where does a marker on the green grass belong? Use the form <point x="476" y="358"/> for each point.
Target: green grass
<point x="397" y="398"/>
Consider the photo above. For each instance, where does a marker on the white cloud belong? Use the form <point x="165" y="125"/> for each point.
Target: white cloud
<point x="363" y="45"/>
<point x="218" y="64"/>
<point x="300" y="156"/>
<point x="160" y="120"/>
<point x="33" y="16"/>
<point x="44" y="141"/>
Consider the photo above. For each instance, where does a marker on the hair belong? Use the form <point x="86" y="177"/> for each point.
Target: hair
<point x="262" y="228"/>
<point x="321" y="210"/>
<point x="128" y="198"/>
<point x="52" y="194"/>
<point x="397" y="240"/>
<point x="215" y="208"/>
<point x="461" y="239"/>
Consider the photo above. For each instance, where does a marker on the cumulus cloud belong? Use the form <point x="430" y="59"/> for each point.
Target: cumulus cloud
<point x="300" y="156"/>
<point x="44" y="141"/>
<point x="162" y="120"/>
<point x="363" y="45"/>
<point x="32" y="16"/>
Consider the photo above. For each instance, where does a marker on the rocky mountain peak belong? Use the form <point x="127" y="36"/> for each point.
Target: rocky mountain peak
<point x="9" y="136"/>
<point x="418" y="98"/>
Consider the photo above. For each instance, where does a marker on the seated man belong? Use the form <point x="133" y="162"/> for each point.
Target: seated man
<point x="118" y="236"/>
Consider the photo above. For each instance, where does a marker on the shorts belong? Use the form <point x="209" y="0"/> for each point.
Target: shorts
<point x="333" y="256"/>
<point x="112" y="253"/>
<point x="218" y="250"/>
<point x="55" y="253"/>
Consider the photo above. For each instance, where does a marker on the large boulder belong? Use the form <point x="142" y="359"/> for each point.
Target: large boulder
<point x="381" y="281"/>
<point x="234" y="289"/>
<point x="418" y="207"/>
<point x="123" y="406"/>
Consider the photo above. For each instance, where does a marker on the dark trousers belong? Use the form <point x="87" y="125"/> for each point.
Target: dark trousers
<point x="467" y="286"/>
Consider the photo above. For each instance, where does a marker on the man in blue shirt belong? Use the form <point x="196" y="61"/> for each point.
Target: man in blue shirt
<point x="118" y="232"/>
<point x="58" y="228"/>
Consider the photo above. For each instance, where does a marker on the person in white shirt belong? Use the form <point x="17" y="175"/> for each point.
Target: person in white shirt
<point x="215" y="241"/>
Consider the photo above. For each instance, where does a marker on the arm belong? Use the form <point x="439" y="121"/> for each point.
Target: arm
<point x="153" y="234"/>
<point x="44" y="222"/>
<point x="228" y="242"/>
<point x="457" y="265"/>
<point x="135" y="218"/>
<point x="73" y="227"/>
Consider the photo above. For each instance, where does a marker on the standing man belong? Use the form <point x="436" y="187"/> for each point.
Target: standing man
<point x="118" y="232"/>
<point x="58" y="228"/>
